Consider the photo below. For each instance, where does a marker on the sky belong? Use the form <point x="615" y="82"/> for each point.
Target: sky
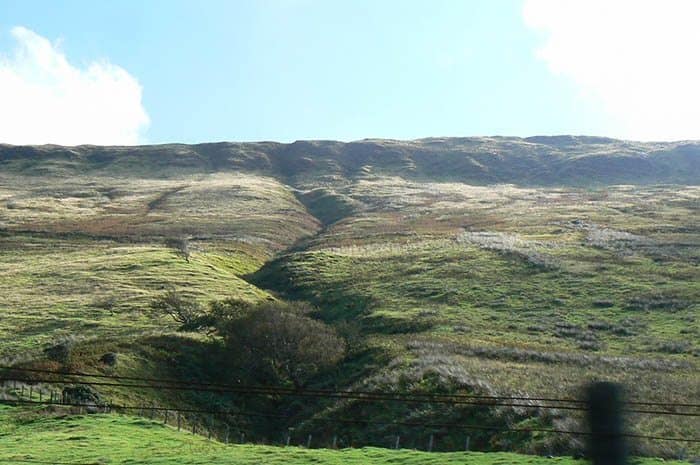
<point x="139" y="72"/>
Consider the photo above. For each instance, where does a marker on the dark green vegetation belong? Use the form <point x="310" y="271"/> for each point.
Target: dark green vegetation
<point x="497" y="266"/>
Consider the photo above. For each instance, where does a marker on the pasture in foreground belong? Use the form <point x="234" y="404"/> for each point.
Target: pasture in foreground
<point x="114" y="439"/>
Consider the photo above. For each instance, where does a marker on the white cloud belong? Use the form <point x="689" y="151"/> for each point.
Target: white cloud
<point x="45" y="99"/>
<point x="637" y="58"/>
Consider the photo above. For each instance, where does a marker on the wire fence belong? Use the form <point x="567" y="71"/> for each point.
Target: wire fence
<point x="28" y="388"/>
<point x="281" y="390"/>
<point x="120" y="408"/>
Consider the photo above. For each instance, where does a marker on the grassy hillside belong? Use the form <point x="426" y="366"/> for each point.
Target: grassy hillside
<point x="116" y="439"/>
<point x="510" y="289"/>
<point x="567" y="160"/>
<point x="85" y="255"/>
<point x="497" y="266"/>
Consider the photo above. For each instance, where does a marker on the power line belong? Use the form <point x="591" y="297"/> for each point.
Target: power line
<point x="345" y="420"/>
<point x="289" y="391"/>
<point x="285" y="389"/>
<point x="300" y="393"/>
<point x="52" y="462"/>
<point x="339" y="395"/>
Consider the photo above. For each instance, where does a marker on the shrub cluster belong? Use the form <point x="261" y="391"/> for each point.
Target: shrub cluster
<point x="674" y="347"/>
<point x="187" y="312"/>
<point x="621" y="329"/>
<point x="611" y="239"/>
<point x="657" y="301"/>
<point x="277" y="340"/>
<point x="61" y="352"/>
<point x="511" y="244"/>
<point x="272" y="341"/>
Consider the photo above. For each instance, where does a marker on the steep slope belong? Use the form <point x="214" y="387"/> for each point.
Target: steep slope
<point x="85" y="255"/>
<point x="501" y="290"/>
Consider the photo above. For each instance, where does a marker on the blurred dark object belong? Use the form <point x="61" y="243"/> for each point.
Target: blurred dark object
<point x="606" y="444"/>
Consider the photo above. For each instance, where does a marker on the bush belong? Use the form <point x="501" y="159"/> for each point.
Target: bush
<point x="599" y="326"/>
<point x="611" y="239"/>
<point x="658" y="301"/>
<point x="84" y="395"/>
<point x="106" y="303"/>
<point x="618" y="330"/>
<point x="109" y="359"/>
<point x="512" y="245"/>
<point x="185" y="311"/>
<point x="61" y="352"/>
<point x="351" y="332"/>
<point x="278" y="340"/>
<point x="589" y="345"/>
<point x="568" y="330"/>
<point x="427" y="313"/>
<point x="225" y="310"/>
<point x="673" y="347"/>
<point x="622" y="331"/>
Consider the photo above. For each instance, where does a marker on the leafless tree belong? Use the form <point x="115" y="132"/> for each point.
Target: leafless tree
<point x="185" y="311"/>
<point x="181" y="245"/>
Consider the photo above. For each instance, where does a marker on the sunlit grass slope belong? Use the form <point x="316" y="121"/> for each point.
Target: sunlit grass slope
<point x="610" y="271"/>
<point x="85" y="256"/>
<point x="81" y="287"/>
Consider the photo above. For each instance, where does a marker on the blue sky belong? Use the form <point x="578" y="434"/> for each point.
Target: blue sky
<point x="187" y="71"/>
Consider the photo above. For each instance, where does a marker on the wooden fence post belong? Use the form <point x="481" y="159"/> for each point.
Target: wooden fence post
<point x="606" y="445"/>
<point x="430" y="443"/>
<point x="308" y="442"/>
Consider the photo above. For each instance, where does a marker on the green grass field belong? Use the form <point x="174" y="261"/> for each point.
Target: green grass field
<point x="116" y="439"/>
